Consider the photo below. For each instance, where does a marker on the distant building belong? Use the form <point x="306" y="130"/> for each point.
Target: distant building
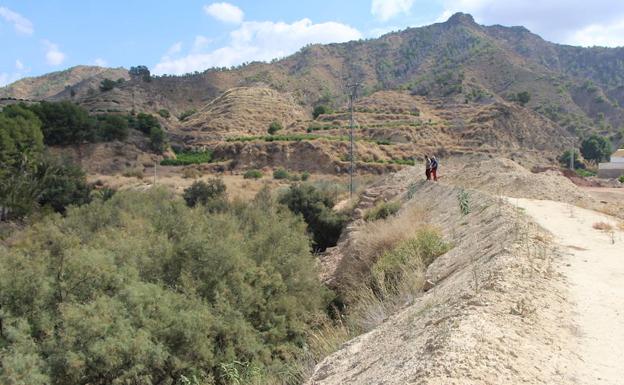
<point x="613" y="169"/>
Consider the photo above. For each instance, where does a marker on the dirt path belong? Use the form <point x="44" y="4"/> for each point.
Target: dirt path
<point x="594" y="267"/>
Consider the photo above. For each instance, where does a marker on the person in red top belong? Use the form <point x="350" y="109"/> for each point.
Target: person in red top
<point x="434" y="168"/>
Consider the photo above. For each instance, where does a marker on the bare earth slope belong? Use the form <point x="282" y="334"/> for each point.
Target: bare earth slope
<point x="595" y="271"/>
<point x="497" y="314"/>
<point x="510" y="303"/>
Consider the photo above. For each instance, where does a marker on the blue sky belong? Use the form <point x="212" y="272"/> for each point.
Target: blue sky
<point x="175" y="37"/>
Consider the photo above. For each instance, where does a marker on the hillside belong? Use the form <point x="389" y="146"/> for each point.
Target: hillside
<point x="51" y="85"/>
<point x="452" y="87"/>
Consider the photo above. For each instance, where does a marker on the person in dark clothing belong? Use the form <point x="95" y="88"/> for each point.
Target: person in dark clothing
<point x="434" y="168"/>
<point x="428" y="167"/>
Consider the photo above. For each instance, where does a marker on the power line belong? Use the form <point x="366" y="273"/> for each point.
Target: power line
<point x="352" y="95"/>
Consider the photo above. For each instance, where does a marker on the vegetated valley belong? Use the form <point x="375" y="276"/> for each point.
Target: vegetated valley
<point x="199" y="229"/>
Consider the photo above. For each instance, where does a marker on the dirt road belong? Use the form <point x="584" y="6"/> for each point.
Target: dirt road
<point x="594" y="267"/>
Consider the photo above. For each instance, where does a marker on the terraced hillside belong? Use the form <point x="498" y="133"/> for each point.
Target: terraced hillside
<point x="452" y="87"/>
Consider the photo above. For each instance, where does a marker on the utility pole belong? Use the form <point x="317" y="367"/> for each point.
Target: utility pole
<point x="572" y="155"/>
<point x="352" y="94"/>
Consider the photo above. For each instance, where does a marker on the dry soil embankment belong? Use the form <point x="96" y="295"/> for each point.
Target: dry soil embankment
<point x="499" y="311"/>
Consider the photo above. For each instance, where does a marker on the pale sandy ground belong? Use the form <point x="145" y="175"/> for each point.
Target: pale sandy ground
<point x="594" y="267"/>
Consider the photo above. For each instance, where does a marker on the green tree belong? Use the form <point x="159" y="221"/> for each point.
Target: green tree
<point x="316" y="207"/>
<point x="158" y="139"/>
<point x="62" y="183"/>
<point x="201" y="192"/>
<point x="112" y="127"/>
<point x="596" y="148"/>
<point x="64" y="123"/>
<point x="141" y="72"/>
<point x="320" y="110"/>
<point x="145" y="123"/>
<point x="107" y="85"/>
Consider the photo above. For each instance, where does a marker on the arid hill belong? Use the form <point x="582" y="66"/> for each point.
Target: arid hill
<point x="451" y="87"/>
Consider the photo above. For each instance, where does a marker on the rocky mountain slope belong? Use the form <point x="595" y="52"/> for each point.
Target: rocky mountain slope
<point x="452" y="87"/>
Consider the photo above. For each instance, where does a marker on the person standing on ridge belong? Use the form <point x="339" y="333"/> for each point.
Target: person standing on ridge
<point x="427" y="167"/>
<point x="434" y="168"/>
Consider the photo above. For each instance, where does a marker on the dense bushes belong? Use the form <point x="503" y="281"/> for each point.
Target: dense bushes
<point x="201" y="192"/>
<point x="252" y="174"/>
<point x="185" y="158"/>
<point x="324" y="224"/>
<point x="65" y="123"/>
<point x="28" y="177"/>
<point x="186" y="294"/>
<point x="149" y="125"/>
<point x="281" y="173"/>
<point x="274" y="127"/>
<point x="596" y="148"/>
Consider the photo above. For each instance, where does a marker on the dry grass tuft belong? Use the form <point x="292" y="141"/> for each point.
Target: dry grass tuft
<point x="602" y="226"/>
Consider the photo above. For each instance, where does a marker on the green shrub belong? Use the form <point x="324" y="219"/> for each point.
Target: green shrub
<point x="280" y="173"/>
<point x="523" y="97"/>
<point x="564" y="159"/>
<point x="621" y="179"/>
<point x="107" y="85"/>
<point x="274" y="127"/>
<point x="463" y="199"/>
<point x="185" y="158"/>
<point x="316" y="207"/>
<point x="321" y="110"/>
<point x="584" y="173"/>
<point x="382" y="210"/>
<point x="158" y="139"/>
<point x="64" y="123"/>
<point x="62" y="184"/>
<point x="164" y="113"/>
<point x="112" y="127"/>
<point x="201" y="192"/>
<point x="305" y="176"/>
<point x="252" y="174"/>
<point x="413" y="254"/>
<point x="144" y="123"/>
<point x="186" y="295"/>
<point x="187" y="114"/>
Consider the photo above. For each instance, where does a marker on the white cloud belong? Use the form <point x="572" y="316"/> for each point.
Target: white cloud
<point x="260" y="40"/>
<point x="200" y="43"/>
<point x="100" y="62"/>
<point x="385" y="10"/>
<point x="54" y="56"/>
<point x="225" y="12"/>
<point x="562" y="21"/>
<point x="174" y="49"/>
<point x="377" y="32"/>
<point x="608" y="35"/>
<point x="20" y="23"/>
<point x="20" y="71"/>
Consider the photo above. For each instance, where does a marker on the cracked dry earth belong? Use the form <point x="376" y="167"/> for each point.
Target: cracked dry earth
<point x="509" y="304"/>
